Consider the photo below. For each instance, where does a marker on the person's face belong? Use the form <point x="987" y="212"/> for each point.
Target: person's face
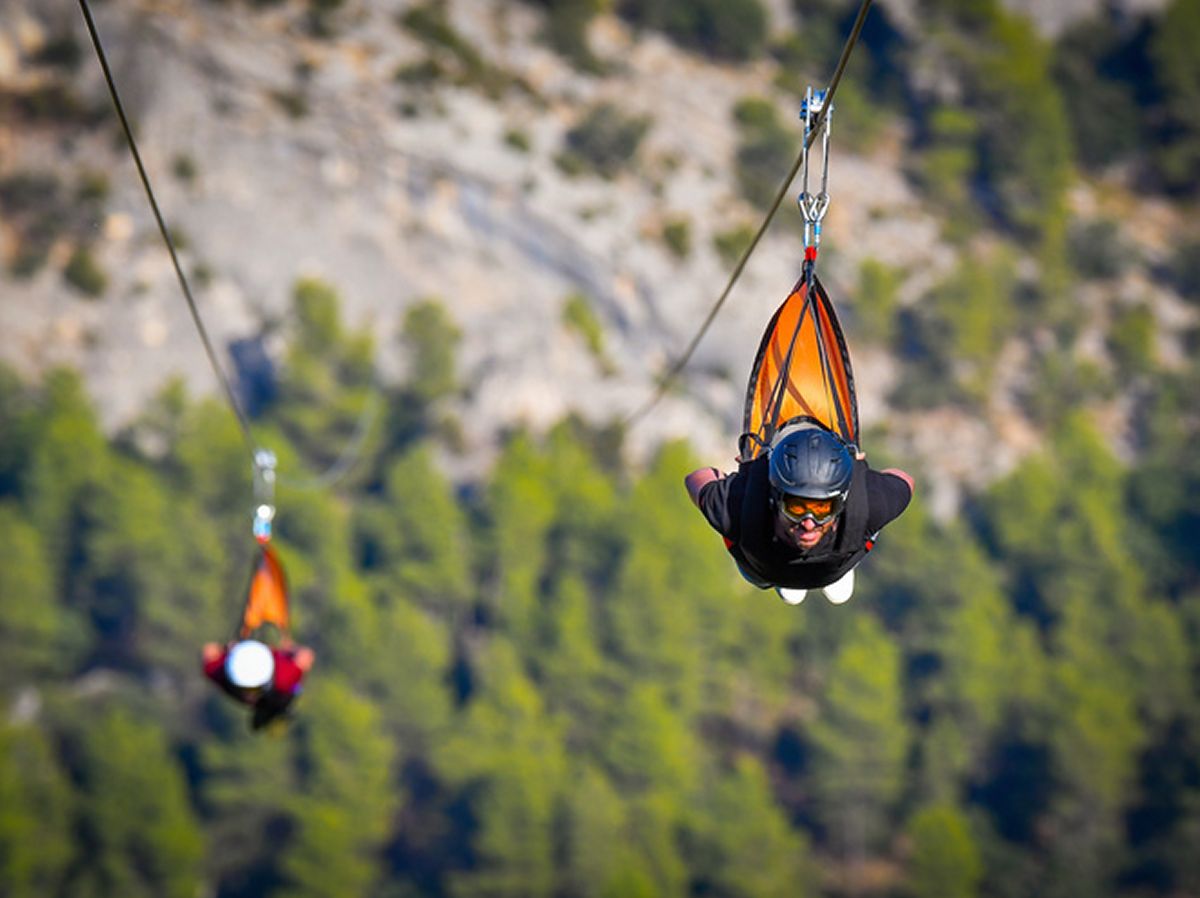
<point x="803" y="535"/>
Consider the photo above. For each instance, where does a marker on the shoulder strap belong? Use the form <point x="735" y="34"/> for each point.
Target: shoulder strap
<point x="854" y="523"/>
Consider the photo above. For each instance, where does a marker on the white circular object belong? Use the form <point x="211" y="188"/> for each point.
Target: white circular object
<point x="250" y="664"/>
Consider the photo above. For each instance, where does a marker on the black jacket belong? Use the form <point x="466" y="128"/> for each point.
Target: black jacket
<point x="740" y="509"/>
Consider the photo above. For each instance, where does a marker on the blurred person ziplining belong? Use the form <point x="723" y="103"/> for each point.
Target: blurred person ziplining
<point x="267" y="678"/>
<point x="263" y="668"/>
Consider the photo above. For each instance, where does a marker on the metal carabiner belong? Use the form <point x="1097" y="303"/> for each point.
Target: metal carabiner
<point x="814" y="206"/>
<point x="264" y="494"/>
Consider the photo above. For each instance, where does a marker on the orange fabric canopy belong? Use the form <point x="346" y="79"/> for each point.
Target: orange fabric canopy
<point x="802" y="370"/>
<point x="267" y="600"/>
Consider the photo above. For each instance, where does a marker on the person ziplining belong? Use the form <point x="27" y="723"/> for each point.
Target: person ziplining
<point x="262" y="668"/>
<point x="803" y="507"/>
<point x="800" y="512"/>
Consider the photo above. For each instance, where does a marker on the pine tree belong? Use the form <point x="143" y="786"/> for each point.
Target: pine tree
<point x="860" y="741"/>
<point x="743" y="843"/>
<point x="521" y="509"/>
<point x="508" y="759"/>
<point x="35" y="808"/>
<point x="139" y="836"/>
<point x="36" y="631"/>
<point x="345" y="798"/>
<point x="946" y="862"/>
<point x="414" y="538"/>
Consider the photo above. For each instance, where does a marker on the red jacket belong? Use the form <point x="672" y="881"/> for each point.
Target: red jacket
<point x="286" y="681"/>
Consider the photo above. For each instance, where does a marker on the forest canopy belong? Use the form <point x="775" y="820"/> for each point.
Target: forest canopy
<point x="553" y="682"/>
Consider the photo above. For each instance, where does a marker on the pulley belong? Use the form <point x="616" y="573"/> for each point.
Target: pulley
<point x="264" y="494"/>
<point x="813" y="206"/>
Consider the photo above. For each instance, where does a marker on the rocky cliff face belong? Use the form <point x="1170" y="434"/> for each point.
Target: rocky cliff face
<point x="278" y="154"/>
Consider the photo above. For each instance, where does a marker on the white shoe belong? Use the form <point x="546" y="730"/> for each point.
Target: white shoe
<point x="791" y="596"/>
<point x="841" y="590"/>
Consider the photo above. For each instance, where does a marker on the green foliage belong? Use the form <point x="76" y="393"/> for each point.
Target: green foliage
<point x="860" y="741"/>
<point x="958" y="331"/>
<point x="35" y="809"/>
<point x="52" y="101"/>
<point x="727" y="29"/>
<point x="602" y="858"/>
<point x="948" y="164"/>
<point x="17" y="423"/>
<point x="522" y="507"/>
<point x="138" y="831"/>
<point x="677" y="235"/>
<point x="1131" y="340"/>
<point x="874" y="76"/>
<point x="1020" y="154"/>
<point x="293" y="102"/>
<point x="38" y="209"/>
<point x="207" y="455"/>
<point x="1097" y="732"/>
<point x="566" y="28"/>
<point x="875" y="302"/>
<point x="431" y="337"/>
<point x="946" y="862"/>
<point x="766" y="150"/>
<point x="1062" y="382"/>
<point x="184" y="168"/>
<point x="246" y="789"/>
<point x="572" y="670"/>
<point x="322" y="17"/>
<point x="325" y="389"/>
<point x="518" y="139"/>
<point x="578" y="315"/>
<point x="732" y="243"/>
<point x="518" y="780"/>
<point x="1058" y="513"/>
<point x="68" y="457"/>
<point x="60" y="51"/>
<point x="1081" y="578"/>
<point x="140" y="582"/>
<point x="1098" y="83"/>
<point x="744" y="844"/>
<point x="93" y="189"/>
<point x="1185" y="270"/>
<point x="1096" y="251"/>
<point x="1164" y="486"/>
<point x="550" y="681"/>
<point x="666" y="561"/>
<point x="33" y="625"/>
<point x="976" y="309"/>
<point x="345" y="802"/>
<point x="756" y="113"/>
<point x="649" y="746"/>
<point x="604" y="141"/>
<point x="452" y="56"/>
<point x="1177" y="72"/>
<point x="413" y="538"/>
<point x="411" y="650"/>
<point x="1026" y="148"/>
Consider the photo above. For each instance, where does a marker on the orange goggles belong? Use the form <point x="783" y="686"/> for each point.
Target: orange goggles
<point x="820" y="511"/>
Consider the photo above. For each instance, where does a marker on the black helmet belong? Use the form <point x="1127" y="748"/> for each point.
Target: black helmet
<point x="808" y="460"/>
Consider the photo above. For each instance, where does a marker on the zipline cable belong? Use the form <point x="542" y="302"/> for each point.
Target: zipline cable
<point x="342" y="465"/>
<point x="243" y="421"/>
<point x="673" y="372"/>
<point x="346" y="460"/>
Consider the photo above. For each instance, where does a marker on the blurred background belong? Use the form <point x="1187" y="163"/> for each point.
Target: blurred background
<point x="453" y="245"/>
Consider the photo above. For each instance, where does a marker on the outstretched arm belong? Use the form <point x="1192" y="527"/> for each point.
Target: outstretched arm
<point x="698" y="480"/>
<point x="903" y="475"/>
